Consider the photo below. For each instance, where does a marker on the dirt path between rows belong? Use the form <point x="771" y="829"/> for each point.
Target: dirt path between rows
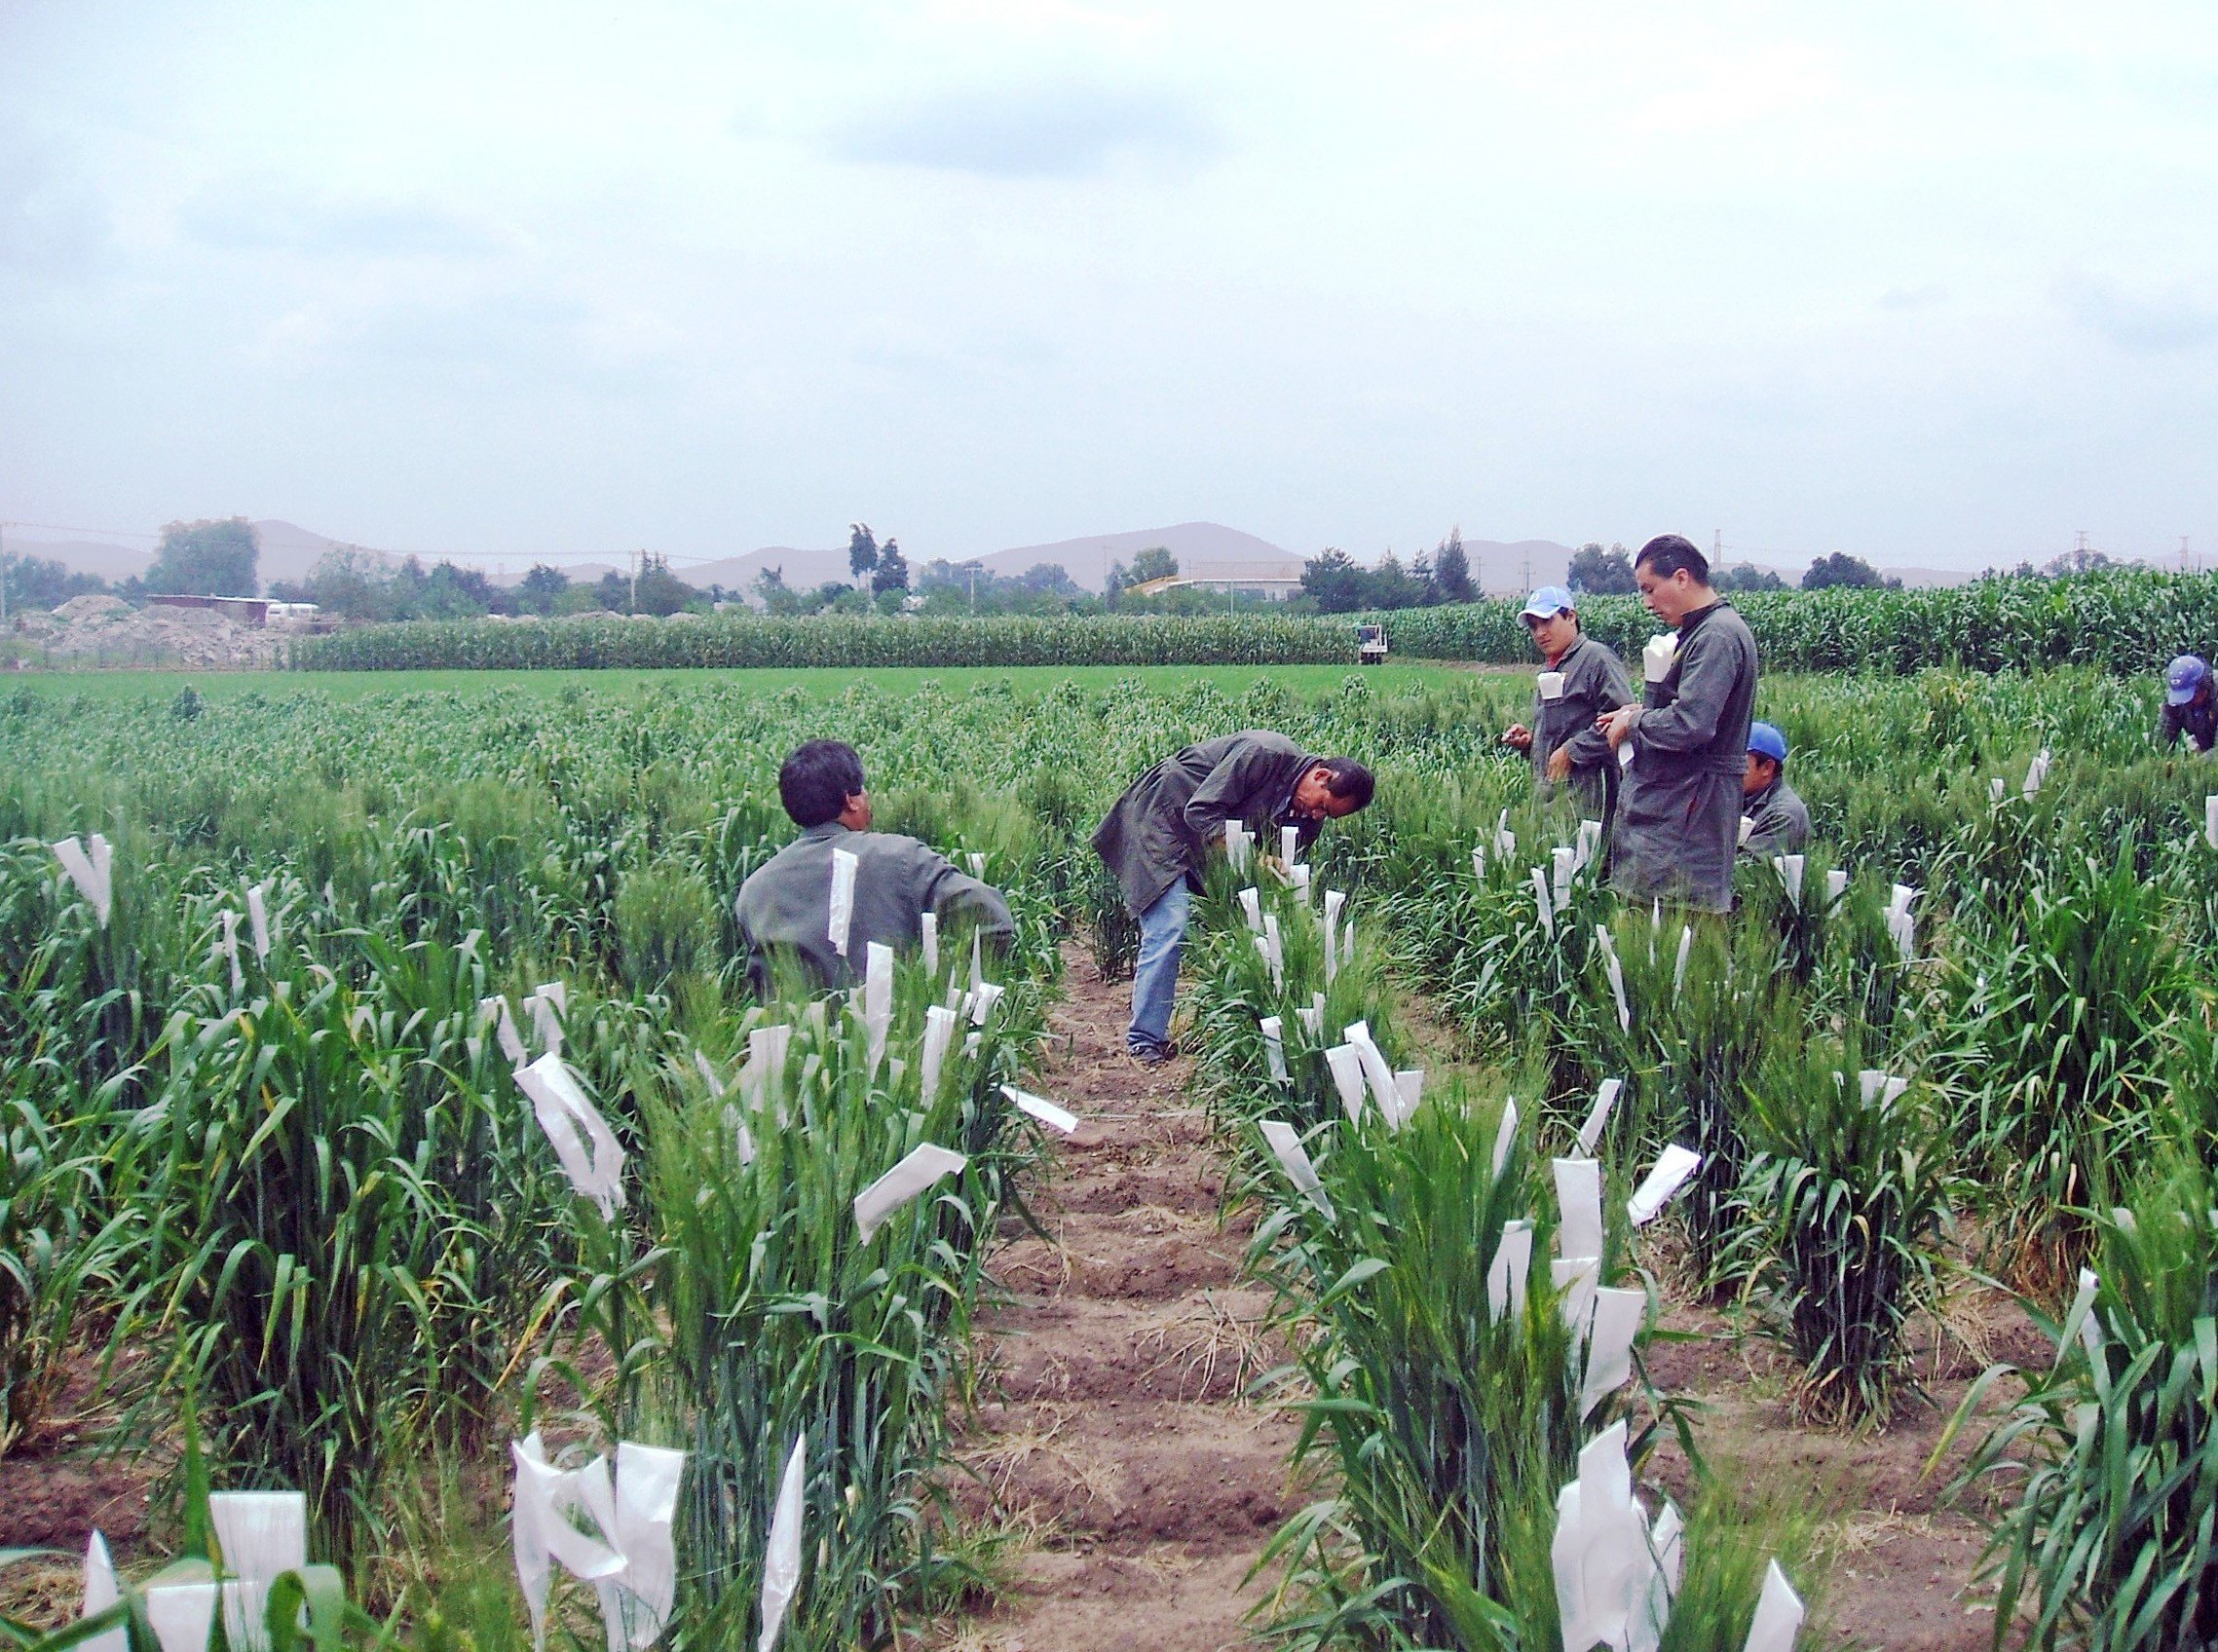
<point x="1112" y="1426"/>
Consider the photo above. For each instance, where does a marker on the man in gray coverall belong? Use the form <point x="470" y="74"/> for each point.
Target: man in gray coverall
<point x="1679" y="815"/>
<point x="784" y="907"/>
<point x="1581" y="680"/>
<point x="1158" y="835"/>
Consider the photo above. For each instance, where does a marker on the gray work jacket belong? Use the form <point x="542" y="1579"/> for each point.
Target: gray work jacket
<point x="1679" y="814"/>
<point x="1161" y="829"/>
<point x="1593" y="682"/>
<point x="785" y="905"/>
<point x="1782" y="822"/>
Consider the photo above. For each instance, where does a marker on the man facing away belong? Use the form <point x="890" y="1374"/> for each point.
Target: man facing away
<point x="2190" y="705"/>
<point x="1778" y="822"/>
<point x="784" y="907"/>
<point x="1159" y="832"/>
<point x="1679" y="814"/>
<point x="1580" y="681"/>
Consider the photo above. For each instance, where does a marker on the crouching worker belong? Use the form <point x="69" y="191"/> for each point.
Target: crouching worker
<point x="1776" y="822"/>
<point x="1160" y="831"/>
<point x="784" y="907"/>
<point x="2191" y="705"/>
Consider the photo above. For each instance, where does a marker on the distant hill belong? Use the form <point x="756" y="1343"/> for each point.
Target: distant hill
<point x="1498" y="566"/>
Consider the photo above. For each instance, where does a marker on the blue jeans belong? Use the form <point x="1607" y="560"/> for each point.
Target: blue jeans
<point x="1155" y="977"/>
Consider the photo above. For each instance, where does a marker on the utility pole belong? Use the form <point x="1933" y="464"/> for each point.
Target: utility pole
<point x="638" y="557"/>
<point x="4" y="573"/>
<point x="1716" y="547"/>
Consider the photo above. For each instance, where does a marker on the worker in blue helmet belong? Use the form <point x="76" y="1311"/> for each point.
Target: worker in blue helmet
<point x="2190" y="705"/>
<point x="1774" y="821"/>
<point x="1580" y="679"/>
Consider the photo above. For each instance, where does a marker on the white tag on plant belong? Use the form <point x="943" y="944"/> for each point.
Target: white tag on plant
<point x="229" y="943"/>
<point x="1590" y="843"/>
<point x="977" y="863"/>
<point x="928" y="936"/>
<point x="1565" y="862"/>
<point x="1377" y="1073"/>
<point x="102" y="1593"/>
<point x="1252" y="908"/>
<point x="1790" y="869"/>
<point x="258" y="920"/>
<point x="1505" y="1136"/>
<point x="939" y="1037"/>
<point x="1293" y="1159"/>
<point x="923" y="1166"/>
<point x="549" y="1002"/>
<point x="843" y="905"/>
<point x="1347" y="1078"/>
<point x="989" y="993"/>
<point x="1597" y="1116"/>
<point x="878" y="999"/>
<point x="1478" y="863"/>
<point x="1673" y="1167"/>
<point x="181" y="1615"/>
<point x="587" y="1148"/>
<point x="1779" y="1615"/>
<point x="1506" y="1274"/>
<point x="1575" y="1279"/>
<point x="1274" y="1048"/>
<point x="1289" y="843"/>
<point x="2210" y="821"/>
<point x="781" y="1555"/>
<point x="1618" y="1316"/>
<point x="1545" y="907"/>
<point x="1410" y="1090"/>
<point x="636" y="1602"/>
<point x="1041" y="1108"/>
<point x="1836" y="884"/>
<point x="90" y="872"/>
<point x="1578" y="1197"/>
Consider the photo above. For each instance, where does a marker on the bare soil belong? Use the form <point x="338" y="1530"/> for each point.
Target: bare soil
<point x="1113" y="1434"/>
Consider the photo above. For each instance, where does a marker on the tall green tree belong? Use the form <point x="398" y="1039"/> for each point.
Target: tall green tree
<point x="892" y="572"/>
<point x="541" y="588"/>
<point x="1155" y="563"/>
<point x="1452" y="568"/>
<point x="862" y="549"/>
<point x="1842" y="569"/>
<point x="1603" y="573"/>
<point x="206" y="558"/>
<point x="1332" y="579"/>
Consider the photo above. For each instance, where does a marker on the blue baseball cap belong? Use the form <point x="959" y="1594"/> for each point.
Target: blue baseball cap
<point x="2182" y="677"/>
<point x="1764" y="740"/>
<point x="1548" y="602"/>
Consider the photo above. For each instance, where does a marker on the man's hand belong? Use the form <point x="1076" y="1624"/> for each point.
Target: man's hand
<point x="1618" y="723"/>
<point x="1559" y="764"/>
<point x="1518" y="736"/>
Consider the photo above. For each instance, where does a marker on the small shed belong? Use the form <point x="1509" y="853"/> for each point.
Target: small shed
<point x="1370" y="644"/>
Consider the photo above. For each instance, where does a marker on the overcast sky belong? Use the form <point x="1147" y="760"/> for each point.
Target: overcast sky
<point x="1936" y="284"/>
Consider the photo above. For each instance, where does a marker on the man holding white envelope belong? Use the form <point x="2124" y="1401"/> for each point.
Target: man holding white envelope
<point x="1686" y="747"/>
<point x="788" y="907"/>
<point x="1161" y="829"/>
<point x="1583" y="681"/>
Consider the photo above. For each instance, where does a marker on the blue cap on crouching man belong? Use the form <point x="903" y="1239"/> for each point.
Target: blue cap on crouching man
<point x="2182" y="676"/>
<point x="1767" y="741"/>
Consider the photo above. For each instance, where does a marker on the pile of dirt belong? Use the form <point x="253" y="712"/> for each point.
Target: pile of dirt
<point x="105" y="630"/>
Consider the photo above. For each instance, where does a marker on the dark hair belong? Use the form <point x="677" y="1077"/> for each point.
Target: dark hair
<point x="1667" y="553"/>
<point x="1349" y="779"/>
<point x="815" y="782"/>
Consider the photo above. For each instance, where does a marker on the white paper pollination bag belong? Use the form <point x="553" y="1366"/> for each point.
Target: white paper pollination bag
<point x="923" y="1166"/>
<point x="587" y="1148"/>
<point x="629" y="1553"/>
<point x="91" y="867"/>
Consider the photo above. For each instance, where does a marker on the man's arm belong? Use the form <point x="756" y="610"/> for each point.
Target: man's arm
<point x="2170" y="724"/>
<point x="941" y="889"/>
<point x="1230" y="788"/>
<point x="1706" y="680"/>
<point x="1603" y="681"/>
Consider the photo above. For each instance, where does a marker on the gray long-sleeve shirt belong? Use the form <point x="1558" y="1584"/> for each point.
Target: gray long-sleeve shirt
<point x="785" y="905"/>
<point x="1679" y="815"/>
<point x="1781" y="823"/>
<point x="1160" y="829"/>
<point x="1593" y="682"/>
